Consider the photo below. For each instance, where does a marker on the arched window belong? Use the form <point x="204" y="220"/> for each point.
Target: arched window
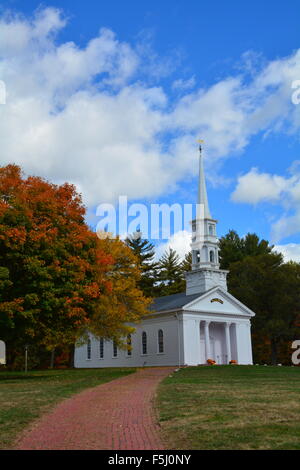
<point x="195" y="256"/>
<point x="160" y="341"/>
<point x="211" y="230"/>
<point x="101" y="348"/>
<point x="211" y="256"/>
<point x="115" y="349"/>
<point x="144" y="342"/>
<point x="89" y="349"/>
<point x="129" y="350"/>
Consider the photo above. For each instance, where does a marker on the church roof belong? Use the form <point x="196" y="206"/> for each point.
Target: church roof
<point x="189" y="303"/>
<point x="170" y="302"/>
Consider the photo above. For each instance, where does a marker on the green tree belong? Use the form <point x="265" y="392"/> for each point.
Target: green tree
<point x="171" y="278"/>
<point x="123" y="302"/>
<point x="272" y="290"/>
<point x="46" y="254"/>
<point x="186" y="264"/>
<point x="9" y="308"/>
<point x="233" y="248"/>
<point x="145" y="254"/>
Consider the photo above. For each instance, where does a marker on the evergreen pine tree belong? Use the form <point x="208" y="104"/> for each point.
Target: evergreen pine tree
<point x="186" y="264"/>
<point x="171" y="279"/>
<point x="233" y="248"/>
<point x="145" y="252"/>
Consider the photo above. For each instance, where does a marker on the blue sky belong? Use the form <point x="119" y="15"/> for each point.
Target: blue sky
<point x="168" y="72"/>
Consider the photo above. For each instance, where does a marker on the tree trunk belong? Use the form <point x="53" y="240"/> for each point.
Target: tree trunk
<point x="273" y="351"/>
<point x="52" y="358"/>
<point x="10" y="355"/>
<point x="71" y="356"/>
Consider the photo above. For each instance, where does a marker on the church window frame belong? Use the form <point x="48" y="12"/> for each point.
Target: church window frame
<point x="160" y="342"/>
<point x="89" y="350"/>
<point x="115" y="350"/>
<point x="101" y="348"/>
<point x="211" y="256"/>
<point x="129" y="343"/>
<point x="144" y="344"/>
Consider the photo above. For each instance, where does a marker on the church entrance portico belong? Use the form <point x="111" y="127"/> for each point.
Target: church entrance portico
<point x="217" y="341"/>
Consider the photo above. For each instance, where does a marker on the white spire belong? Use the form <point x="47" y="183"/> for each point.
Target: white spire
<point x="205" y="272"/>
<point x="202" y="193"/>
<point x="204" y="237"/>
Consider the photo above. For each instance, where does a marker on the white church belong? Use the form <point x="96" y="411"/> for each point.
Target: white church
<point x="186" y="329"/>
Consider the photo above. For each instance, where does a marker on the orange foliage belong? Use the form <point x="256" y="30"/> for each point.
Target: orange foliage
<point x="59" y="278"/>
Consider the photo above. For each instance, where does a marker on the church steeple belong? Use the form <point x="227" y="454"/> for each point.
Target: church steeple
<point x="205" y="253"/>
<point x="204" y="238"/>
<point x="202" y="193"/>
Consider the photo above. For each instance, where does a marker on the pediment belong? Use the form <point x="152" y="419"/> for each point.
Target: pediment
<point x="218" y="301"/>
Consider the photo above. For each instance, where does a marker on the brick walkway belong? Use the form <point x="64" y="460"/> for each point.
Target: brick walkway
<point x="117" y="415"/>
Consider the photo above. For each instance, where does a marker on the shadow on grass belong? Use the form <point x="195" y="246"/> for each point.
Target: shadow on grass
<point x="65" y="374"/>
<point x="4" y="378"/>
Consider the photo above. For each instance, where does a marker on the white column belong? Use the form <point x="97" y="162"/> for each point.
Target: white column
<point x="207" y="339"/>
<point x="228" y="346"/>
<point x="190" y="354"/>
<point x="250" y="344"/>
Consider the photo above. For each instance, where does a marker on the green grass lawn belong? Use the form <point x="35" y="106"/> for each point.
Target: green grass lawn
<point x="24" y="397"/>
<point x="231" y="407"/>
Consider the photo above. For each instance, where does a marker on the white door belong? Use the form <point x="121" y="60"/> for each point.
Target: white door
<point x="212" y="349"/>
<point x="219" y="352"/>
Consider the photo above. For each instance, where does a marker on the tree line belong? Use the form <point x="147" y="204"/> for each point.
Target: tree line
<point x="161" y="277"/>
<point x="58" y="280"/>
<point x="258" y="277"/>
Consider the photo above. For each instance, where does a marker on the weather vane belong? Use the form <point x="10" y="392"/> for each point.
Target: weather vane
<point x="200" y="142"/>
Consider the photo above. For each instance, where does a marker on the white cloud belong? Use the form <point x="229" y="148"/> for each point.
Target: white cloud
<point x="290" y="251"/>
<point x="89" y="116"/>
<point x="255" y="187"/>
<point x="230" y="112"/>
<point x="182" y="84"/>
<point x="287" y="225"/>
<point x="180" y="242"/>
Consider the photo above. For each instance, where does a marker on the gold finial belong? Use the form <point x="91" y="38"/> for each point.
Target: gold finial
<point x="200" y="146"/>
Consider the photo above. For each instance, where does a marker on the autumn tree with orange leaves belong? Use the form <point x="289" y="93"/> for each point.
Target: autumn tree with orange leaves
<point x="57" y="279"/>
<point x="122" y="301"/>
